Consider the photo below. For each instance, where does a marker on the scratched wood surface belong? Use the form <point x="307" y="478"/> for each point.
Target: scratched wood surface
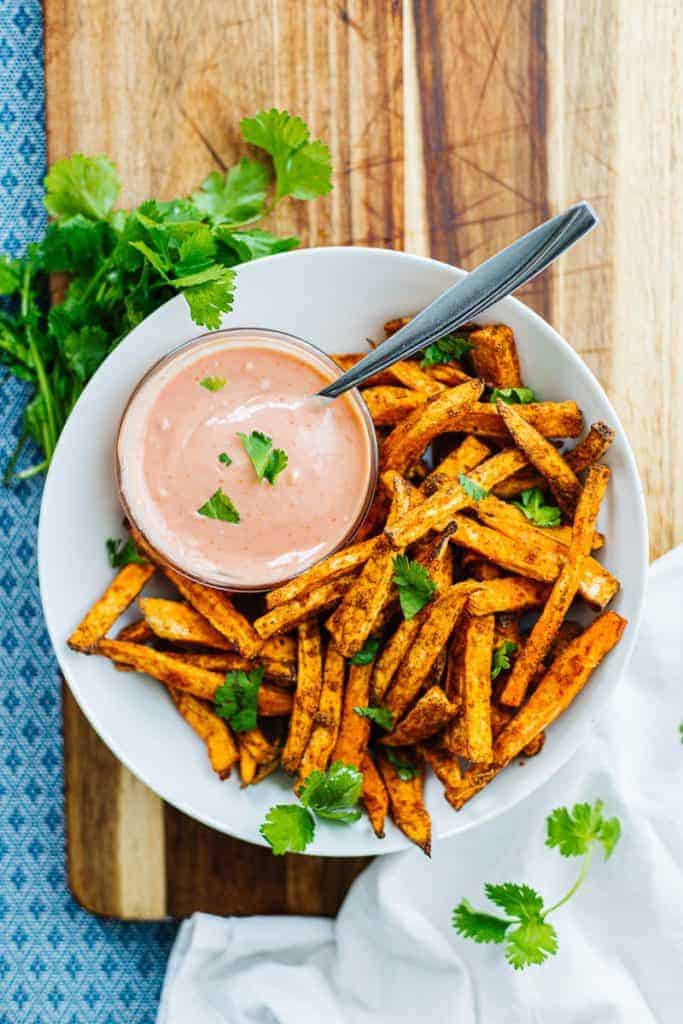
<point x="454" y="125"/>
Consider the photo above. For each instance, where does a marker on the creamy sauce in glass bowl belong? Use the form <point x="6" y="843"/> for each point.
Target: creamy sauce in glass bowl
<point x="179" y="443"/>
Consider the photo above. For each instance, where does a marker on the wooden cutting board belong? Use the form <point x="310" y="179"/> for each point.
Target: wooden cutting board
<point x="454" y="126"/>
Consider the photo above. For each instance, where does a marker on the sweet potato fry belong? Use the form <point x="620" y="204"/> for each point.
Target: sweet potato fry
<point x="216" y="606"/>
<point x="591" y="449"/>
<point x="470" y="453"/>
<point x="450" y="374"/>
<point x="494" y="355"/>
<point x="562" y="479"/>
<point x="431" y="713"/>
<point x="389" y="405"/>
<point x="281" y="672"/>
<point x="500" y="717"/>
<point x="409" y="439"/>
<point x="306" y="696"/>
<point x="502" y="516"/>
<point x="438" y="510"/>
<point x="409" y="375"/>
<point x="475" y="687"/>
<point x="439" y="566"/>
<point x="323" y="738"/>
<point x="564" y="589"/>
<point x="443" y="763"/>
<point x="260" y="748"/>
<point x="391" y="326"/>
<point x="247" y="762"/>
<point x="179" y="623"/>
<point x="552" y="419"/>
<point x="509" y="594"/>
<point x="286" y="617"/>
<point x="341" y="563"/>
<point x="214" y="731"/>
<point x="438" y="625"/>
<point x="352" y="622"/>
<point x="374" y="796"/>
<point x="120" y="593"/>
<point x="407" y="804"/>
<point x="354" y="733"/>
<point x="136" y="633"/>
<point x="192" y="679"/>
<point x="597" y="586"/>
<point x="565" y="678"/>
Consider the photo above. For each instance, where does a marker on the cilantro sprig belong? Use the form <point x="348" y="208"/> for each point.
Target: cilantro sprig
<point x="268" y="462"/>
<point x="379" y="716"/>
<point x="500" y="662"/>
<point x="367" y="652"/>
<point x="121" y="265"/>
<point x="405" y="769"/>
<point x="446" y="350"/>
<point x="237" y="699"/>
<point x="120" y="553"/>
<point x="331" y="795"/>
<point x="472" y="489"/>
<point x="534" y="506"/>
<point x="513" y="396"/>
<point x="525" y="933"/>
<point x="219" y="506"/>
<point x="415" y="586"/>
<point x="213" y="383"/>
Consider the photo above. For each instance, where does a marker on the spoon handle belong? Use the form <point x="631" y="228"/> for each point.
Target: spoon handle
<point x="493" y="280"/>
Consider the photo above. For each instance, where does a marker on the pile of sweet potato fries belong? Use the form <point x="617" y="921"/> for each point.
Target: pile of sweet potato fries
<point x="454" y="465"/>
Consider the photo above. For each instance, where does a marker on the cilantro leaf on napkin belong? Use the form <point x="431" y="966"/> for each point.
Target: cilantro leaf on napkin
<point x="526" y="934"/>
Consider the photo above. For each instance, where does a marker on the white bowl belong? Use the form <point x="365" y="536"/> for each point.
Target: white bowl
<point x="335" y="298"/>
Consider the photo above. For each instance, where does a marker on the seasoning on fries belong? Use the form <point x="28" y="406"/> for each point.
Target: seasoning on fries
<point x="439" y="642"/>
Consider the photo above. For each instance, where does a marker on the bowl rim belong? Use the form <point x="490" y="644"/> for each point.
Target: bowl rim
<point x="525" y="789"/>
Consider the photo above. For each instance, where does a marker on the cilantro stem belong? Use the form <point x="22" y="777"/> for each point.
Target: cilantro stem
<point x="14" y="458"/>
<point x="581" y="876"/>
<point x="26" y="474"/>
<point x="50" y="435"/>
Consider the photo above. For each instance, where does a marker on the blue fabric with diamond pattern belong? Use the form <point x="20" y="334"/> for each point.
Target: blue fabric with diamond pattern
<point x="58" y="964"/>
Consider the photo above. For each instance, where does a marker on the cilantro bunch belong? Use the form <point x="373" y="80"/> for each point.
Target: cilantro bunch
<point x="121" y="265"/>
<point x="525" y="932"/>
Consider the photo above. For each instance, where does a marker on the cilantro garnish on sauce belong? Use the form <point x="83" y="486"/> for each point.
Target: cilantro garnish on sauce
<point x="268" y="462"/>
<point x="219" y="506"/>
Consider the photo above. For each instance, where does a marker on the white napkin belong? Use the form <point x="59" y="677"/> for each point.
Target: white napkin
<point x="392" y="955"/>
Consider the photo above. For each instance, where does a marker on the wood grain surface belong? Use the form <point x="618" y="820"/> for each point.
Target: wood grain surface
<point x="454" y="125"/>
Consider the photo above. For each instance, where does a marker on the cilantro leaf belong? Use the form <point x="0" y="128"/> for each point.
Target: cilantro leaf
<point x="531" y="943"/>
<point x="573" y="832"/>
<point x="212" y="383"/>
<point x="501" y="658"/>
<point x="334" y="794"/>
<point x="237" y="699"/>
<point x="209" y="300"/>
<point x="302" y="167"/>
<point x="225" y="459"/>
<point x="680" y="731"/>
<point x="513" y="396"/>
<point x="415" y="586"/>
<point x="446" y="350"/>
<point x="473" y="924"/>
<point x="253" y="244"/>
<point x="289" y="828"/>
<point x="406" y="770"/>
<point x="534" y="507"/>
<point x="268" y="462"/>
<point x="122" y="552"/>
<point x="81" y="184"/>
<point x="219" y="506"/>
<point x="236" y="197"/>
<point x="472" y="489"/>
<point x="367" y="652"/>
<point x="10" y="275"/>
<point x="519" y="901"/>
<point x="380" y="716"/>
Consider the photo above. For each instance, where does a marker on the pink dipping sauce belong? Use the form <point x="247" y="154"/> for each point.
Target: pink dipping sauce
<point x="174" y="430"/>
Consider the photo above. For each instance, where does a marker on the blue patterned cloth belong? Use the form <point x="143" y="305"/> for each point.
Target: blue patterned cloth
<point x="57" y="962"/>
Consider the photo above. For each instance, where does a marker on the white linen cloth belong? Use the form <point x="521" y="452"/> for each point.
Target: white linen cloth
<point x="392" y="955"/>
